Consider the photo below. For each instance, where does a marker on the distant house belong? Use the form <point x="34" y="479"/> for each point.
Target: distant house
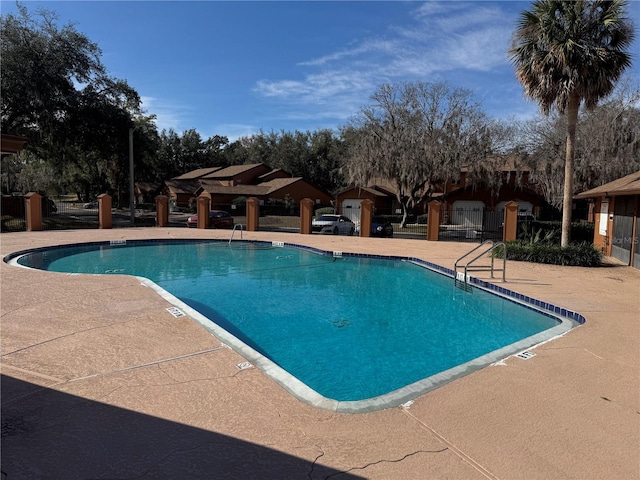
<point x="10" y="144"/>
<point x="254" y="180"/>
<point x="615" y="210"/>
<point x="238" y="174"/>
<point x="464" y="198"/>
<point x="146" y="192"/>
<point x="196" y="174"/>
<point x="348" y="202"/>
<point x="181" y="191"/>
<point x="460" y="197"/>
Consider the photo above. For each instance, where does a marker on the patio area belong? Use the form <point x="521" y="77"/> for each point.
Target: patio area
<point x="99" y="380"/>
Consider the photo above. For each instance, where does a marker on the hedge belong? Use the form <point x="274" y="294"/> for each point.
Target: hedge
<point x="582" y="254"/>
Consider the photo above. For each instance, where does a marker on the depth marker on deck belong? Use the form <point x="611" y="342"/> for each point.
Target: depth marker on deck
<point x="176" y="312"/>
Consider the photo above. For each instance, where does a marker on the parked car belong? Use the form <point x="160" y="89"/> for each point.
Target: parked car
<point x="381" y="227"/>
<point x="333" y="224"/>
<point x="90" y="205"/>
<point x="217" y="219"/>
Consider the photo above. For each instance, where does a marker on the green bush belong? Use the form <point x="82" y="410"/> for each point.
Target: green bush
<point x="580" y="231"/>
<point x="582" y="254"/>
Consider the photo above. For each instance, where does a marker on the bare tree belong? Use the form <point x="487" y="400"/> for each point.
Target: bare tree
<point x="607" y="144"/>
<point x="417" y="136"/>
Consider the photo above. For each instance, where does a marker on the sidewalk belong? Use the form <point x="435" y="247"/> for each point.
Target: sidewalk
<point x="100" y="381"/>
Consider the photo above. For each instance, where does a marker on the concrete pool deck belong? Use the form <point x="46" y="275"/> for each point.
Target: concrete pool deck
<point x="99" y="380"/>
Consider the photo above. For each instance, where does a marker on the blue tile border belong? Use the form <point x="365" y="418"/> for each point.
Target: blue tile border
<point x="529" y="302"/>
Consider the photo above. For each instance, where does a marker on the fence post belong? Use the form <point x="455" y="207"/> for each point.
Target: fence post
<point x="253" y="214"/>
<point x="306" y="215"/>
<point x="33" y="207"/>
<point x="204" y="200"/>
<point x="510" y="231"/>
<point x="366" y="216"/>
<point x="433" y="220"/>
<point x="162" y="211"/>
<point x="104" y="211"/>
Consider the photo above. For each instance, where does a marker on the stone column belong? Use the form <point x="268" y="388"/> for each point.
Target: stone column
<point x="204" y="202"/>
<point x="162" y="211"/>
<point x="366" y="217"/>
<point x="510" y="231"/>
<point x="253" y="214"/>
<point x="433" y="220"/>
<point x="33" y="210"/>
<point x="104" y="211"/>
<point x="306" y="215"/>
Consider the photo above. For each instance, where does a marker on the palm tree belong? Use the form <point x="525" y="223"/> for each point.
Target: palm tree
<point x="567" y="53"/>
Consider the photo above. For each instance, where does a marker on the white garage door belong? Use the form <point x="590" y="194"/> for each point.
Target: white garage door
<point x="524" y="208"/>
<point x="467" y="212"/>
<point x="351" y="210"/>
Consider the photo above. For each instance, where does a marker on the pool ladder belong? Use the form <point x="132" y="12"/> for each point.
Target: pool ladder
<point x="233" y="232"/>
<point x="461" y="278"/>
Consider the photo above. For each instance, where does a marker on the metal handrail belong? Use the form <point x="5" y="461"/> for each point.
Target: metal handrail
<point x="234" y="231"/>
<point x="455" y="265"/>
<point x="492" y="269"/>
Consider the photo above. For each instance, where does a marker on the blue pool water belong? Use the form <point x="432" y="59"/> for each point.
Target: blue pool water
<point x="349" y="328"/>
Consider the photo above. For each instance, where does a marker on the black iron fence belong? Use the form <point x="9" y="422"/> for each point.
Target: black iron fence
<point x="471" y="225"/>
<point x="458" y="225"/>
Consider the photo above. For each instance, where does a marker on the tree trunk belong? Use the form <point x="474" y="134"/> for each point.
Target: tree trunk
<point x="567" y="203"/>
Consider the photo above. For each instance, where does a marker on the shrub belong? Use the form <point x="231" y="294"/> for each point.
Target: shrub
<point x="582" y="254"/>
<point x="580" y="231"/>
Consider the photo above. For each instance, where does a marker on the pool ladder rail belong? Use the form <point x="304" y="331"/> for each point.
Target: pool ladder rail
<point x="233" y="232"/>
<point x="461" y="278"/>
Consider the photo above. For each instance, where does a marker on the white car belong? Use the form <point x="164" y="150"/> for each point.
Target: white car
<point x="333" y="224"/>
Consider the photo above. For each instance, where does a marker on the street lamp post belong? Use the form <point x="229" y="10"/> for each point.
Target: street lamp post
<point x="132" y="200"/>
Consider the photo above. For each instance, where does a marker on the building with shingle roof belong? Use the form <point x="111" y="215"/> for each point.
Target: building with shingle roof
<point x="615" y="210"/>
<point x="224" y="185"/>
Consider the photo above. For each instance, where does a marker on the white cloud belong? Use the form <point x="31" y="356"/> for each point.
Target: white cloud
<point x="234" y="131"/>
<point x="440" y="39"/>
<point x="168" y="115"/>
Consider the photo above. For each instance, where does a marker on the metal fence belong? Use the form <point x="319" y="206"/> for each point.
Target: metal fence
<point x="13" y="218"/>
<point x="471" y="225"/>
<point x="458" y="225"/>
<point x="280" y="218"/>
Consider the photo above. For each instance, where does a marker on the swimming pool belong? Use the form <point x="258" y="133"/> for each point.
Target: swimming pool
<point x="342" y="332"/>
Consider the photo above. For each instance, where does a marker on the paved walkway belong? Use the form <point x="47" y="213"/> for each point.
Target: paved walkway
<point x="100" y="381"/>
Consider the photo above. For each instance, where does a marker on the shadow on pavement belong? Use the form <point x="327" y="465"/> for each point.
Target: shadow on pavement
<point x="50" y="434"/>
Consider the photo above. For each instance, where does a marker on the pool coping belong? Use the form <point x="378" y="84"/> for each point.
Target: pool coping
<point x="403" y="396"/>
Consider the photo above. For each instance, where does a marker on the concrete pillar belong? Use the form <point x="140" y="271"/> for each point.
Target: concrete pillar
<point x="33" y="211"/>
<point x="162" y="211"/>
<point x="204" y="202"/>
<point x="104" y="211"/>
<point x="253" y="214"/>
<point x="510" y="231"/>
<point x="366" y="217"/>
<point x="306" y="216"/>
<point x="433" y="220"/>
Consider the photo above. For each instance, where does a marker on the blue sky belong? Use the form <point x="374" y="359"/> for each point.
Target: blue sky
<point x="234" y="68"/>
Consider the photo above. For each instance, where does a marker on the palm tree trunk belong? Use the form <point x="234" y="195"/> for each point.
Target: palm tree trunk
<point x="567" y="203"/>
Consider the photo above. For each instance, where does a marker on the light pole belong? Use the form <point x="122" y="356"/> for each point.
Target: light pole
<point x="132" y="200"/>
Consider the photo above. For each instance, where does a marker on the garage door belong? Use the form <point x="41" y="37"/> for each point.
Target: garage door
<point x="467" y="212"/>
<point x="351" y="210"/>
<point x="623" y="229"/>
